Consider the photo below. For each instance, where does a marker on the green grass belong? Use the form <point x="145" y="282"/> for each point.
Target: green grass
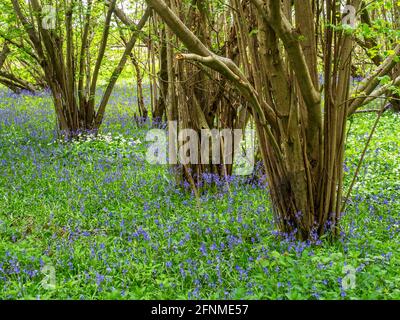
<point x="114" y="227"/>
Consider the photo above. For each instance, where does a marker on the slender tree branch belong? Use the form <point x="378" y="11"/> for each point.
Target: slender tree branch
<point x="119" y="68"/>
<point x="368" y="85"/>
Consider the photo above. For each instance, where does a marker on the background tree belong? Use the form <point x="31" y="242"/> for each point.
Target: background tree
<point x="196" y="96"/>
<point x="61" y="35"/>
<point x="19" y="67"/>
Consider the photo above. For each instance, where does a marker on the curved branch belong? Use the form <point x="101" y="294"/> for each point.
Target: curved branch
<point x="369" y="84"/>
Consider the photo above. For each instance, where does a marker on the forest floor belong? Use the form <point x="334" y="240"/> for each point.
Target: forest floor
<point x="93" y="219"/>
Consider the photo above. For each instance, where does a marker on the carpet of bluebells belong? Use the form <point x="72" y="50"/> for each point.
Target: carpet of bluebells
<point x="111" y="226"/>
